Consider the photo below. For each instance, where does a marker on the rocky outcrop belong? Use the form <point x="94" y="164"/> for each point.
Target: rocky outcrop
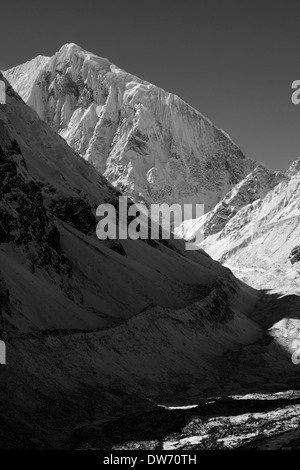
<point x="295" y="255"/>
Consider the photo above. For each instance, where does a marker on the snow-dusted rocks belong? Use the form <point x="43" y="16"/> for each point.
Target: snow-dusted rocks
<point x="24" y="75"/>
<point x="295" y="255"/>
<point x="147" y="142"/>
<point x="256" y="241"/>
<point x="294" y="168"/>
<point x="255" y="186"/>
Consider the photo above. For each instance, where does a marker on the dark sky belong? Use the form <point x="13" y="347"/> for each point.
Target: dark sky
<point x="233" y="60"/>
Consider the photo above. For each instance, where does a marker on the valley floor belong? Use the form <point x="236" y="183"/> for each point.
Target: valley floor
<point x="258" y="408"/>
<point x="92" y="390"/>
<point x="254" y="421"/>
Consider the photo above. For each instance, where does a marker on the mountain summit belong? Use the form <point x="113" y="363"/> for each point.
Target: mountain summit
<point x="149" y="143"/>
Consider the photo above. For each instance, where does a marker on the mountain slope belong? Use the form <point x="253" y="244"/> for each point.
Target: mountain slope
<point x="89" y="321"/>
<point x="258" y="240"/>
<point x="97" y="331"/>
<point x="147" y="142"/>
<point x="49" y="197"/>
<point x="255" y="186"/>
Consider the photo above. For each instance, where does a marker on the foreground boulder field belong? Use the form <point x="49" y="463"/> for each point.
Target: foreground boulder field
<point x="122" y="344"/>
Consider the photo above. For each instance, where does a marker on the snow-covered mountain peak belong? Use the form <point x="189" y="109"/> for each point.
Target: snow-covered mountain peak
<point x="72" y="52"/>
<point x="149" y="143"/>
<point x="71" y="46"/>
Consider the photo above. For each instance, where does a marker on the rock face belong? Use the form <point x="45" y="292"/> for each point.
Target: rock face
<point x="149" y="143"/>
<point x="24" y="221"/>
<point x="295" y="255"/>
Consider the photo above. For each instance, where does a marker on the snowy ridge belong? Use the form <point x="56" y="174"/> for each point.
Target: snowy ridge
<point x="255" y="186"/>
<point x="256" y="243"/>
<point x="24" y="75"/>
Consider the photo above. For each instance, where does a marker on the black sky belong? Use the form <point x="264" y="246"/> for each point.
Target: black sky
<point x="232" y="60"/>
